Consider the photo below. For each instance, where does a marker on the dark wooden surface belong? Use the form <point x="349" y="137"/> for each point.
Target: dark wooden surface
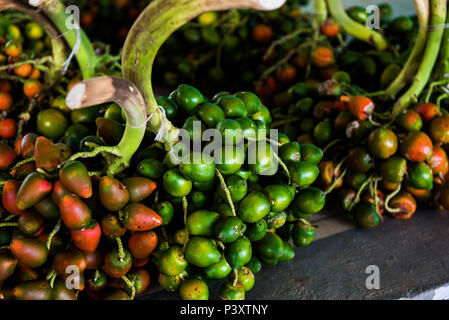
<point x="412" y="257"/>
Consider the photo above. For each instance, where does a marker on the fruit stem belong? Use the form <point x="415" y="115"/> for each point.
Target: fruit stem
<point x="336" y="180"/>
<point x="84" y="51"/>
<point x="435" y="34"/>
<point x="131" y="286"/>
<point x="355" y="29"/>
<point x="375" y="197"/>
<point x="154" y="25"/>
<point x="320" y="10"/>
<point x="53" y="233"/>
<point x="8" y="224"/>
<point x="184" y="208"/>
<point x="27" y="160"/>
<point x="412" y="63"/>
<point x="389" y="197"/>
<point x="226" y="191"/>
<point x="284" y="167"/>
<point x="443" y="67"/>
<point x="359" y="192"/>
<point x="332" y="143"/>
<point x="236" y="277"/>
<point x="58" y="45"/>
<point x="109" y="89"/>
<point x="121" y="252"/>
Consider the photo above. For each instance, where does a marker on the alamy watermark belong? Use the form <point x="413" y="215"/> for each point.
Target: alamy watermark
<point x="372" y="282"/>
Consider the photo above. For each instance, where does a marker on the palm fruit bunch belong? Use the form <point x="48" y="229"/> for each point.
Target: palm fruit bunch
<point x="224" y="215"/>
<point x="67" y="231"/>
<point x="202" y="51"/>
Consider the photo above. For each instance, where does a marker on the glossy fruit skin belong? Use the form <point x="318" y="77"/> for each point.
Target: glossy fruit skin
<point x="382" y="143"/>
<point x="229" y="229"/>
<point x="141" y="279"/>
<point x="323" y="57"/>
<point x="420" y="176"/>
<point x="308" y="202"/>
<point x="254" y="265"/>
<point x="245" y="278"/>
<point x="65" y="260"/>
<point x="201" y="252"/>
<point x="393" y="169"/>
<point x="302" y="234"/>
<point x="311" y="153"/>
<point x="31" y="224"/>
<point x="47" y="154"/>
<point x="175" y="183"/>
<point x="288" y="254"/>
<point x="231" y="131"/>
<point x="365" y="215"/>
<point x="197" y="167"/>
<point x="9" y="196"/>
<point x="237" y="187"/>
<point x="279" y="196"/>
<point x="194" y="289"/>
<point x="171" y="283"/>
<point x="29" y="252"/>
<point x="139" y="188"/>
<point x="361" y="107"/>
<point x="253" y="207"/>
<point x="74" y="212"/>
<point x="256" y="231"/>
<point x="232" y="159"/>
<point x="410" y="120"/>
<point x="138" y="217"/>
<point x="239" y="252"/>
<point x="270" y="247"/>
<point x="303" y="173"/>
<point x="113" y="194"/>
<point x="51" y="123"/>
<point x="438" y="162"/>
<point x="232" y="106"/>
<point x="417" y="146"/>
<point x="188" y="97"/>
<point x="202" y="222"/>
<point x="151" y="168"/>
<point x="360" y="160"/>
<point x="32" y="190"/>
<point x="88" y="238"/>
<point x="406" y="202"/>
<point x="61" y="292"/>
<point x="230" y="292"/>
<point x="290" y="152"/>
<point x="428" y="111"/>
<point x="218" y="270"/>
<point x="32" y="290"/>
<point x="75" y="177"/>
<point x="264" y="163"/>
<point x="252" y="102"/>
<point x="172" y="261"/>
<point x="7" y="265"/>
<point x="7" y="128"/>
<point x="439" y="129"/>
<point x="114" y="266"/>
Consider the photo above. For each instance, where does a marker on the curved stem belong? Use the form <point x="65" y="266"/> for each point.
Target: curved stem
<point x="155" y="24"/>
<point x="355" y="29"/>
<point x="225" y="189"/>
<point x="108" y="89"/>
<point x="58" y="14"/>
<point x="359" y="192"/>
<point x="121" y="252"/>
<point x="435" y="34"/>
<point x="184" y="207"/>
<point x="53" y="233"/>
<point x="443" y="64"/>
<point x="412" y="63"/>
<point x="131" y="286"/>
<point x="236" y="277"/>
<point x="58" y="45"/>
<point x="8" y="224"/>
<point x="389" y="197"/>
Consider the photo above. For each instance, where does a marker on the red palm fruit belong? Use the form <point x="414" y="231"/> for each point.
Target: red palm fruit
<point x="9" y="197"/>
<point x="137" y="263"/>
<point x="29" y="252"/>
<point x="439" y="129"/>
<point x="33" y="189"/>
<point x="428" y="111"/>
<point x="266" y="88"/>
<point x="330" y="28"/>
<point x="47" y="155"/>
<point x="326" y="173"/>
<point x="420" y="194"/>
<point x="88" y="238"/>
<point x="7" y="156"/>
<point x="64" y="150"/>
<point x="24" y="170"/>
<point x="74" y="213"/>
<point x="137" y="217"/>
<point x="27" y="145"/>
<point x="322" y="57"/>
<point x="438" y="162"/>
<point x="142" y="244"/>
<point x="112" y="227"/>
<point x="48" y="209"/>
<point x="262" y="34"/>
<point x="286" y="74"/>
<point x="33" y="290"/>
<point x="113" y="194"/>
<point x="7" y="128"/>
<point x="139" y="188"/>
<point x="95" y="259"/>
<point x="26" y="274"/>
<point x="59" y="191"/>
<point x="360" y="107"/>
<point x="417" y="146"/>
<point x="368" y="197"/>
<point x="7" y="265"/>
<point x="75" y="177"/>
<point x="61" y="292"/>
<point x="116" y="266"/>
<point x="141" y="279"/>
<point x="64" y="261"/>
<point x="31" y="224"/>
<point x="17" y="145"/>
<point x="406" y="203"/>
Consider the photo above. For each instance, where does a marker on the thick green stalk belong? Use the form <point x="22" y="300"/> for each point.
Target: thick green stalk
<point x="155" y="24"/>
<point x="58" y="45"/>
<point x="443" y="64"/>
<point x="438" y="10"/>
<point x="320" y="10"/>
<point x="108" y="89"/>
<point x="355" y="29"/>
<point x="412" y="64"/>
<point x="85" y="56"/>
